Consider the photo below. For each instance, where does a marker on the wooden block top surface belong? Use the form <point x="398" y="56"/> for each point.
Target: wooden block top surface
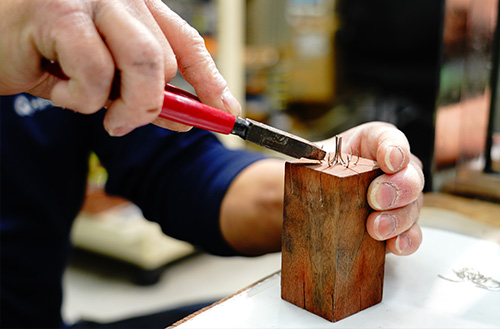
<point x="338" y="170"/>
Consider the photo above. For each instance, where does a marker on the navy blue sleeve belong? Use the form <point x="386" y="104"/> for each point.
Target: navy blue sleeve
<point x="178" y="179"/>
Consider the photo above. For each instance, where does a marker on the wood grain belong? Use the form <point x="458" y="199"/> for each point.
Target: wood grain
<point x="330" y="265"/>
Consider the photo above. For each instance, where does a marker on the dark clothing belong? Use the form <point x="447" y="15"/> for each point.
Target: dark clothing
<point x="177" y="179"/>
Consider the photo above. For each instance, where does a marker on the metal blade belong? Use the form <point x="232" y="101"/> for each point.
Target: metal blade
<point x="282" y="142"/>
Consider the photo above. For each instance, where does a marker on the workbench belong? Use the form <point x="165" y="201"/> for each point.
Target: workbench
<point x="414" y="295"/>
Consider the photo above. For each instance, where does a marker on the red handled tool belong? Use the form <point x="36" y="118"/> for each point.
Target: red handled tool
<point x="183" y="107"/>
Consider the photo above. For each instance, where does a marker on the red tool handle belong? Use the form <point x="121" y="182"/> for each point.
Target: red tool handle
<point x="181" y="106"/>
<point x="178" y="105"/>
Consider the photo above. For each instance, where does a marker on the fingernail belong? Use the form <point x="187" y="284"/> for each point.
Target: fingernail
<point x="385" y="226"/>
<point x="394" y="158"/>
<point x="383" y="196"/>
<point x="119" y="131"/>
<point x="402" y="243"/>
<point x="231" y="103"/>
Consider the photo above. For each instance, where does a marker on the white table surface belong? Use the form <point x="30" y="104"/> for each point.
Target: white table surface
<point x="414" y="295"/>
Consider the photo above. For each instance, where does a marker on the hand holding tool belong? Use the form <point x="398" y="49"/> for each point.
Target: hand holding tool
<point x="183" y="107"/>
<point x="180" y="106"/>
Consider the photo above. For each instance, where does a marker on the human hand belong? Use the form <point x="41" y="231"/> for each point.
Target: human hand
<point x="396" y="196"/>
<point x="142" y="39"/>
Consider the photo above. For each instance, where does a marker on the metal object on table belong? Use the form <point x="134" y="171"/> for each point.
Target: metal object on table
<point x="468" y="274"/>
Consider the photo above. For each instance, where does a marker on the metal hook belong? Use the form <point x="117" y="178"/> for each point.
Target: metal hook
<point x="328" y="159"/>
<point x="337" y="158"/>
<point x="357" y="156"/>
<point x="349" y="158"/>
<point x="338" y="151"/>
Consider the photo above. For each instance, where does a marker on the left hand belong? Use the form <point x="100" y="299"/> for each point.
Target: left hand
<point x="396" y="196"/>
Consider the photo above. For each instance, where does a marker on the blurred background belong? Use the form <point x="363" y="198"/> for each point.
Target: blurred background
<point x="314" y="68"/>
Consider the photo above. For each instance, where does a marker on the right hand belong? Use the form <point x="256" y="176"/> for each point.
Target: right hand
<point x="143" y="39"/>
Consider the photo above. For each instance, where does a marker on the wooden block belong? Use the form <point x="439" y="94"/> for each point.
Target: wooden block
<point x="330" y="264"/>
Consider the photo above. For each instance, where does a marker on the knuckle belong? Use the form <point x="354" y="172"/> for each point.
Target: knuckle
<point x="148" y="59"/>
<point x="420" y="175"/>
<point x="413" y="214"/>
<point x="144" y="115"/>
<point x="214" y="79"/>
<point x="196" y="44"/>
<point x="148" y="101"/>
<point x="65" y="15"/>
<point x="407" y="216"/>
<point x="121" y="114"/>
<point x="75" y="98"/>
<point x="150" y="114"/>
<point x="98" y="74"/>
<point x="85" y="107"/>
<point x="145" y="56"/>
<point x="61" y="7"/>
<point x="191" y="34"/>
<point x="88" y="103"/>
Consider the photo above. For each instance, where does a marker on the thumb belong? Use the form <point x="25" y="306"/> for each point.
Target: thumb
<point x="382" y="142"/>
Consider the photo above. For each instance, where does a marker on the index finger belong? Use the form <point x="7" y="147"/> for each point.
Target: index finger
<point x="194" y="61"/>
